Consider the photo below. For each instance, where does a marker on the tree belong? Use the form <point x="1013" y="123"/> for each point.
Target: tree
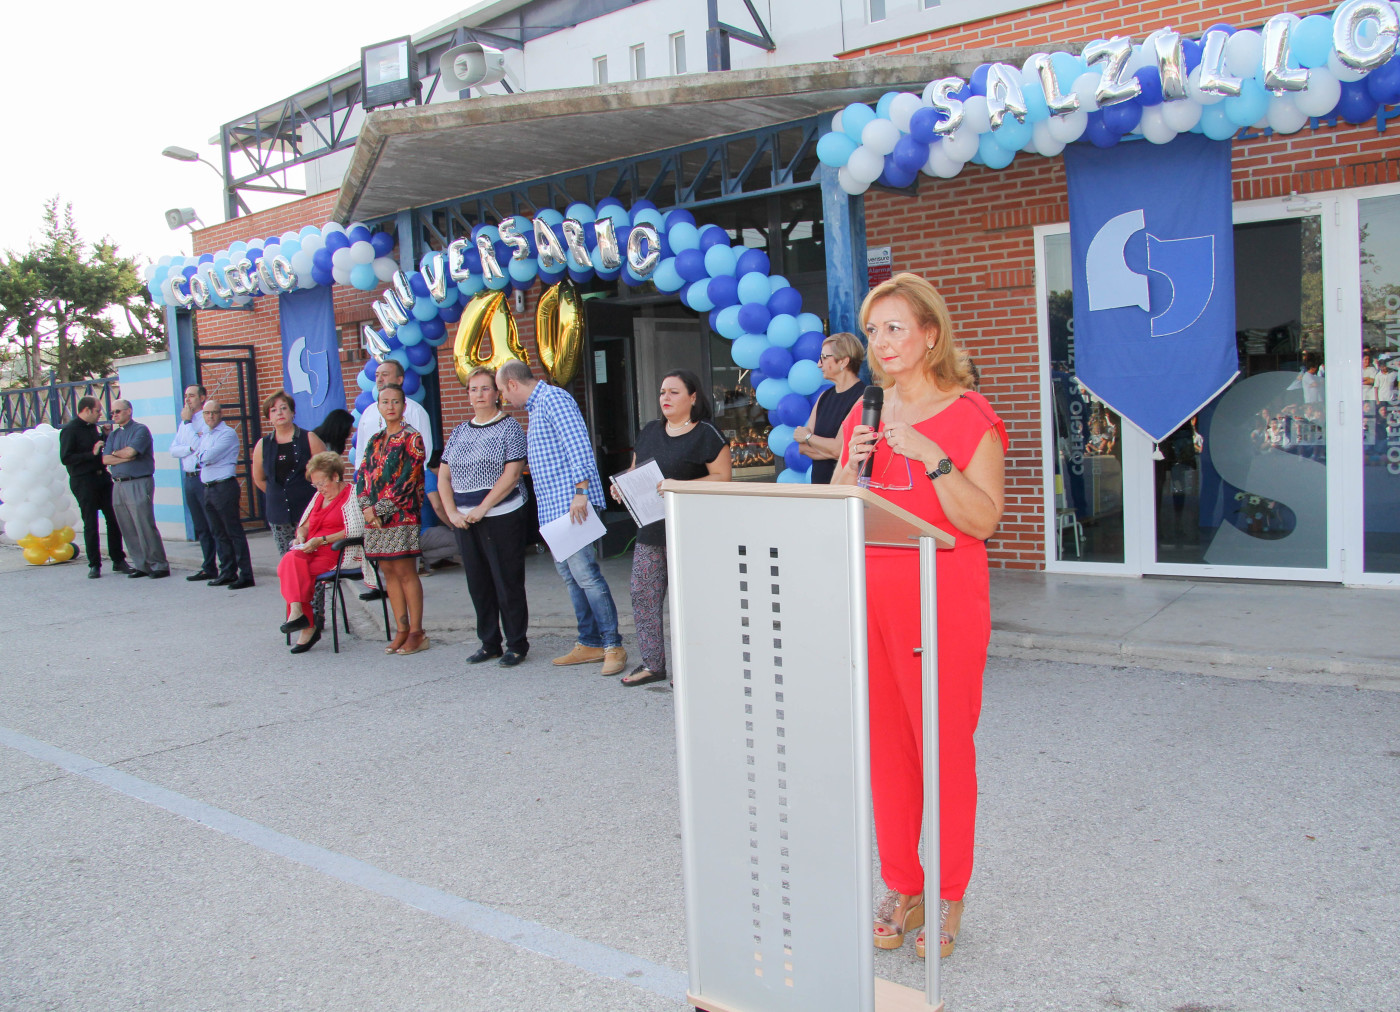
<point x="71" y="307"/>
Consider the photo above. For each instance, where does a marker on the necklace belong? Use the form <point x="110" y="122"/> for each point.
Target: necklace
<point x="679" y="428"/>
<point x="489" y="421"/>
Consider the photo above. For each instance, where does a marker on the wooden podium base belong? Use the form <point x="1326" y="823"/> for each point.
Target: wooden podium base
<point x="889" y="997"/>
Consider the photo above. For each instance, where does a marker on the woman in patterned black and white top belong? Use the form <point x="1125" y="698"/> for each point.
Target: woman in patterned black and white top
<point x="482" y="464"/>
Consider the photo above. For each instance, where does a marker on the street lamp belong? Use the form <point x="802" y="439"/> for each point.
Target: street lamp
<point x="186" y="155"/>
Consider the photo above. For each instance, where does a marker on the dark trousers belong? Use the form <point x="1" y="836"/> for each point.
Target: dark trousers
<point x="94" y="495"/>
<point x="221" y="509"/>
<point x="493" y="554"/>
<point x="194" y="500"/>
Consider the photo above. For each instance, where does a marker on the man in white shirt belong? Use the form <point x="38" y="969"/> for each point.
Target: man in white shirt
<point x="183" y="448"/>
<point x="389" y="373"/>
<point x="1385" y="383"/>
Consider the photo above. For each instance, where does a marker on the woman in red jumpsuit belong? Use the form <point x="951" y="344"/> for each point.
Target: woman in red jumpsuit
<point x="323" y="523"/>
<point x="939" y="452"/>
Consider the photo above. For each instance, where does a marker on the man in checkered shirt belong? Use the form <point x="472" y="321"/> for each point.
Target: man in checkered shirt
<point x="566" y="480"/>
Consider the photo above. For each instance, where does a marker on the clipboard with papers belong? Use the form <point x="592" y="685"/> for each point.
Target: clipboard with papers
<point x="638" y="488"/>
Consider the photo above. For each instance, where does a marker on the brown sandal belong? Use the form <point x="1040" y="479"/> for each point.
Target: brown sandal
<point x="400" y="638"/>
<point x="897" y="914"/>
<point x="949" y="923"/>
<point x="417" y="642"/>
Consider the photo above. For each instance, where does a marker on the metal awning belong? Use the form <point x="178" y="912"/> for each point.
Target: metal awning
<point x="419" y="156"/>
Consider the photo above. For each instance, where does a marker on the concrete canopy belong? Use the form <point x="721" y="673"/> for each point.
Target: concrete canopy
<point x="424" y="155"/>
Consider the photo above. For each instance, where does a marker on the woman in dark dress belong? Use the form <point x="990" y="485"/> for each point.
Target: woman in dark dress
<point x="335" y="430"/>
<point x="279" y="467"/>
<point x="820" y="439"/>
<point x="686" y="447"/>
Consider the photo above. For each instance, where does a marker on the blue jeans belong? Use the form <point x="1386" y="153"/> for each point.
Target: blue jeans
<point x="593" y="602"/>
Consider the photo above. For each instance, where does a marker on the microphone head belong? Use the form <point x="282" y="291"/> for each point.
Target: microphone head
<point x="872" y="402"/>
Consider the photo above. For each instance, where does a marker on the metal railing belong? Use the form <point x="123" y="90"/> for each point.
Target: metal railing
<point x="56" y="403"/>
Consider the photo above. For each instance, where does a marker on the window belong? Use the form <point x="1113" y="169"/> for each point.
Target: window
<point x="638" y="56"/>
<point x="600" y="70"/>
<point x="876" y="10"/>
<point x="678" y="53"/>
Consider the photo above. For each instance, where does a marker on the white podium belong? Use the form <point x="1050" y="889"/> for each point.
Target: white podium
<point x="767" y="586"/>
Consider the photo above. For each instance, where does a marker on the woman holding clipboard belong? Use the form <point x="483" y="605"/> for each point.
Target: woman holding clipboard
<point x="686" y="447"/>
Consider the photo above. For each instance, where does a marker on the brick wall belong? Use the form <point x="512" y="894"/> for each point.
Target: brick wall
<point x="973" y="235"/>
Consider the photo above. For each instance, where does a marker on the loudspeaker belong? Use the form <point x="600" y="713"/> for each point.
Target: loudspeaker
<point x="472" y="66"/>
<point x="178" y="217"/>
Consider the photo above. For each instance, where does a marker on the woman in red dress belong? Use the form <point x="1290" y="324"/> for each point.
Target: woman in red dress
<point x="390" y="490"/>
<point x="323" y="523"/>
<point x="939" y="452"/>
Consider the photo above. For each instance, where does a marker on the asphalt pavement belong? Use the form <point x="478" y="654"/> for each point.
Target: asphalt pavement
<point x="194" y="819"/>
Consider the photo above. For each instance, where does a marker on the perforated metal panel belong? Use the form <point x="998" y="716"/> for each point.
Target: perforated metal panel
<point x="768" y="625"/>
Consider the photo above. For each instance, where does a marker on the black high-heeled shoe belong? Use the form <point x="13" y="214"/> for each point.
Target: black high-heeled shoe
<point x="294" y="624"/>
<point x="301" y="648"/>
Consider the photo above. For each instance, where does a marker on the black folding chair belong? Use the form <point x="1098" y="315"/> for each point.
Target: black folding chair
<point x="334" y="576"/>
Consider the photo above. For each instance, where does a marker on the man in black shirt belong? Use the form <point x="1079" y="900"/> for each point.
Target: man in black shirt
<point x="80" y="449"/>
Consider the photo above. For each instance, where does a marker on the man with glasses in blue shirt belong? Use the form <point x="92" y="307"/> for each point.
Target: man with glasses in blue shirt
<point x="218" y="466"/>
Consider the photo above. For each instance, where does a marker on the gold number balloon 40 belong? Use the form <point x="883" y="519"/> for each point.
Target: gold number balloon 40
<point x="486" y="323"/>
<point x="559" y="332"/>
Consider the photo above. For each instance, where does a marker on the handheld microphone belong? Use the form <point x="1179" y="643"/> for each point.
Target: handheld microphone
<point x="872" y="403"/>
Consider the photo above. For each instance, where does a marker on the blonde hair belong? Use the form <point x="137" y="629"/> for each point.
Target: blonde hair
<point x="482" y="370"/>
<point x="846" y="345"/>
<point x="328" y="462"/>
<point x="945" y="363"/>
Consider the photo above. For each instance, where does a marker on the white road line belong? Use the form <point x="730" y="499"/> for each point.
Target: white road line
<point x="599" y="960"/>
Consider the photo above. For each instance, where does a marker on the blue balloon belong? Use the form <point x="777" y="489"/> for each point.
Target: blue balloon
<point x="1150" y="78"/>
<point x="783" y="330"/>
<point x="678" y="215"/>
<point x="747" y="351"/>
<point x="882" y="107"/>
<point x="1221" y="27"/>
<point x="1037" y="110"/>
<point x="548" y="278"/>
<point x="364" y="382"/>
<point x="753" y="287"/>
<point x="580" y="212"/>
<point x="719" y="259"/>
<point x="1191" y="50"/>
<point x="1356" y="104"/>
<point x="450" y="314"/>
<point x="727" y="323"/>
<point x="794" y="409"/>
<point x="751" y="261"/>
<point x="779" y="436"/>
<point x="911" y="155"/>
<point x="579" y="277"/>
<point x="683" y="236"/>
<point x="773" y="419"/>
<point x="776" y="281"/>
<point x="641" y="205"/>
<point x="854" y="119"/>
<point x="805" y="377"/>
<point x="666" y="277"/>
<point x="921" y="124"/>
<point x="978" y="81"/>
<point x="523" y="271"/>
<point x="794" y="458"/>
<point x="712" y="235"/>
<point x="383" y="243"/>
<point x="412" y="386"/>
<point x="1122" y="117"/>
<point x="690" y="265"/>
<point x="808" y="321"/>
<point x="450" y="299"/>
<point x="771" y="392"/>
<point x="365" y="399"/>
<point x="834" y="149"/>
<point x="358" y="233"/>
<point x="697" y="297"/>
<point x="723" y="291"/>
<point x="335" y="241"/>
<point x="785" y="301"/>
<point x="423" y="309"/>
<point x="1067" y="68"/>
<point x="434" y="331"/>
<point x="1215" y="124"/>
<point x="792" y="477"/>
<point x="399" y="355"/>
<point x="324" y="278"/>
<point x="1384" y="82"/>
<point x="808" y="346"/>
<point x="1013" y="135"/>
<point x="362" y="277"/>
<point x="993" y="155"/>
<point x="410" y="333"/>
<point x="419" y="355"/>
<point x="756" y="376"/>
<point x="470" y="286"/>
<point x="754" y="318"/>
<point x="320" y="259"/>
<point x="371" y="367"/>
<point x="1101" y="135"/>
<point x="1311" y="40"/>
<point x="775" y="361"/>
<point x="895" y="177"/>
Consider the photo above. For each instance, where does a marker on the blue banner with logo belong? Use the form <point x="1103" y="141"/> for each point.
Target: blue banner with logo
<point x="311" y="354"/>
<point x="1154" y="276"/>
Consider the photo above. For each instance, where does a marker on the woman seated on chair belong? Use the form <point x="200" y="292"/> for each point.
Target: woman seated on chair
<point x="331" y="515"/>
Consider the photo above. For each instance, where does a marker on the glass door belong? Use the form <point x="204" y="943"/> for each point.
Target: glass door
<point x="1378" y="243"/>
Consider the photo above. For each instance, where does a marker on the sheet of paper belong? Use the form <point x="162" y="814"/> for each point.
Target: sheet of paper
<point x="638" y="487"/>
<point x="564" y="537"/>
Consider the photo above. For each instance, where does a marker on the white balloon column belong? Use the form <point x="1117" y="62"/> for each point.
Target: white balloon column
<point x="38" y="510"/>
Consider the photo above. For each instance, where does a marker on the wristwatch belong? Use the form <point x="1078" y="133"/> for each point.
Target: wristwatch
<point x="809" y="437"/>
<point x="942" y="467"/>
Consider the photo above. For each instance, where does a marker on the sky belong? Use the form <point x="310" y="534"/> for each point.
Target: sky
<point x="104" y="90"/>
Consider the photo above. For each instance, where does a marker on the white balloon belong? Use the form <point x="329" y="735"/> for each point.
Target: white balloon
<point x="849" y="183"/>
<point x="384" y="268"/>
<point x="975" y="115"/>
<point x="880" y="136"/>
<point x="41" y="528"/>
<point x="1243" y="51"/>
<point x="1181" y="115"/>
<point x="1155" y="126"/>
<point x="1085" y="86"/>
<point x="865" y="165"/>
<point x="342" y="261"/>
<point x="1341" y="71"/>
<point x="902" y="108"/>
<point x="341" y="274"/>
<point x="361" y="253"/>
<point x="1284" y="115"/>
<point x="961" y="144"/>
<point x="940" y="163"/>
<point x="1043" y="140"/>
<point x="1321" y="94"/>
<point x="836" y="122"/>
<point x="312" y="243"/>
<point x="1068" y="129"/>
<point x="332" y="226"/>
<point x="1193" y="89"/>
<point x="16" y="530"/>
